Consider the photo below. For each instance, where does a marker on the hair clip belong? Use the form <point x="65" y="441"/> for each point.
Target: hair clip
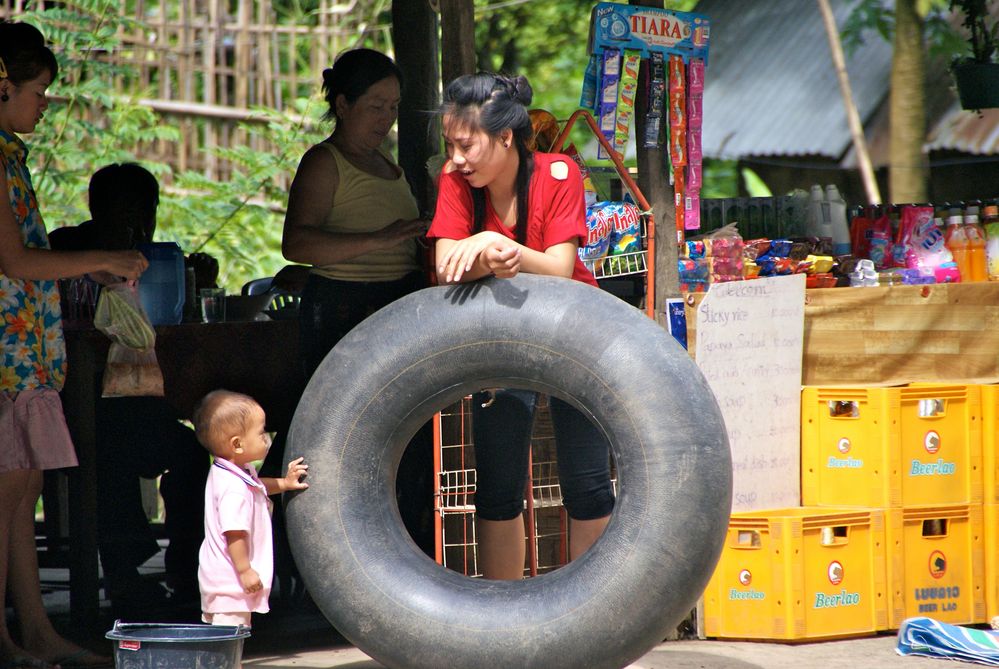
<point x="3" y="69"/>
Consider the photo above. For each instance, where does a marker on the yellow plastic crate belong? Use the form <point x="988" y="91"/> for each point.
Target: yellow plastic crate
<point x="936" y="563"/>
<point x="891" y="447"/>
<point x="991" y="522"/>
<point x="799" y="573"/>
<point x="990" y="424"/>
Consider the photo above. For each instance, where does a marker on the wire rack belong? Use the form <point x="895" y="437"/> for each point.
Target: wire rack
<point x="545" y="519"/>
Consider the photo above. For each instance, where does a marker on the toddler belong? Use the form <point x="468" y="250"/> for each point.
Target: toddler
<point x="236" y="562"/>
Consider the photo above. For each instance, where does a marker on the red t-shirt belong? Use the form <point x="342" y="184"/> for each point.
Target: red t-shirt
<point x="557" y="210"/>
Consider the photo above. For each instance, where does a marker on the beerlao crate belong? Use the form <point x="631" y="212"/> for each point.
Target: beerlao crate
<point x="800" y="573"/>
<point x="891" y="447"/>
<point x="936" y="563"/>
<point x="990" y="463"/>
<point x="991" y="521"/>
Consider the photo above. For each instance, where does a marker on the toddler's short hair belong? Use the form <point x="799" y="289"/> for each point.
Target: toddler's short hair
<point x="221" y="414"/>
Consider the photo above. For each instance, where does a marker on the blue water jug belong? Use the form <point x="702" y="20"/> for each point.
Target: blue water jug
<point x="161" y="286"/>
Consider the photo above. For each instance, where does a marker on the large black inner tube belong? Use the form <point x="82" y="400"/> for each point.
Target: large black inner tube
<point x="393" y="371"/>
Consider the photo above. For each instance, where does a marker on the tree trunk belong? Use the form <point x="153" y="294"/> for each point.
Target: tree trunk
<point x="653" y="179"/>
<point x="908" y="169"/>
<point x="852" y="117"/>
<point x="414" y="33"/>
<point x="457" y="38"/>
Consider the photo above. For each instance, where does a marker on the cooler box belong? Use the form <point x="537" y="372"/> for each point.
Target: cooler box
<point x="936" y="563"/>
<point x="799" y="573"/>
<point x="891" y="447"/>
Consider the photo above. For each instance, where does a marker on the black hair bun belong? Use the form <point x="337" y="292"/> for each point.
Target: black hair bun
<point x="522" y="91"/>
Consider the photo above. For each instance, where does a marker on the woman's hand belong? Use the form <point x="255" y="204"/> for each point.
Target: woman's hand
<point x="464" y="253"/>
<point x="502" y="260"/>
<point x="402" y="230"/>
<point x="127" y="264"/>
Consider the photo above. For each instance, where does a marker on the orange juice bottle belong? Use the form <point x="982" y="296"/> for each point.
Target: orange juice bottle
<point x="957" y="243"/>
<point x="976" y="245"/>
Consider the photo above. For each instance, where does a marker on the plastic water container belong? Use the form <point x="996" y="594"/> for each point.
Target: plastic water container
<point x="837" y="221"/>
<point x="161" y="286"/>
<point x="819" y="222"/>
<point x="177" y="646"/>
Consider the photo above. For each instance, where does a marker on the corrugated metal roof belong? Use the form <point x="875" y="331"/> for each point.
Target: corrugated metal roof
<point x="967" y="131"/>
<point x="771" y="87"/>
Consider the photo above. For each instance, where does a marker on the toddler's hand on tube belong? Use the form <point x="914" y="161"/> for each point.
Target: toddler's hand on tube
<point x="297" y="470"/>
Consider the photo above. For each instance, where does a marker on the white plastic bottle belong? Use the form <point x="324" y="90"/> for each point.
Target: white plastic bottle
<point x="818" y="222"/>
<point x="838" y="223"/>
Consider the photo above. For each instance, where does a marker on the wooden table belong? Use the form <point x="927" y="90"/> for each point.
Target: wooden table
<point x="259" y="358"/>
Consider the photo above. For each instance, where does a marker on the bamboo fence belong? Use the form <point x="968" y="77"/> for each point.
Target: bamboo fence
<point x="204" y="65"/>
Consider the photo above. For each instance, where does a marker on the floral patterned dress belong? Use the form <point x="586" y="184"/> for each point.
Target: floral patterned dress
<point x="32" y="426"/>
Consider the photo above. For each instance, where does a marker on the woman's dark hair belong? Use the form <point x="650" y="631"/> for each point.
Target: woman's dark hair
<point x="353" y="73"/>
<point x="24" y="54"/>
<point x="493" y="103"/>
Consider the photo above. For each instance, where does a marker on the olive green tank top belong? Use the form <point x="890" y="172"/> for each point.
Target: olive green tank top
<point x="366" y="203"/>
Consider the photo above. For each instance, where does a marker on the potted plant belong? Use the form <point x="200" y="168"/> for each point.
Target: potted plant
<point x="977" y="76"/>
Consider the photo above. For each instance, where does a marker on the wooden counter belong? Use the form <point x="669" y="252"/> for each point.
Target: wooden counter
<point x="895" y="334"/>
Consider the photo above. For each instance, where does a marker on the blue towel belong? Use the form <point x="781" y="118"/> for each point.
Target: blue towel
<point x="932" y="638"/>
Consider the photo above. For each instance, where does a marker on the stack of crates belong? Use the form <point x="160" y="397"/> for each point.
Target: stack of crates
<point x="911" y="458"/>
<point x="990" y="505"/>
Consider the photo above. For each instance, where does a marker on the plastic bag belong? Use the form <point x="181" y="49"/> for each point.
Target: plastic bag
<point x="132" y="369"/>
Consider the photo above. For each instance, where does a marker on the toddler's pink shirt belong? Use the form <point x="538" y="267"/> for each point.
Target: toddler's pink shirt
<point x="235" y="499"/>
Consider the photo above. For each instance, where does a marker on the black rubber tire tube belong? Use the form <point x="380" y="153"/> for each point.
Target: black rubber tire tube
<point x="393" y="371"/>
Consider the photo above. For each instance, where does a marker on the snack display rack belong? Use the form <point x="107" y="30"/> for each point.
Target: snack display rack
<point x="635" y="263"/>
<point x="545" y="519"/>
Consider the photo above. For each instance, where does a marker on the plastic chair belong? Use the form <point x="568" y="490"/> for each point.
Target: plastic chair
<point x="282" y="305"/>
<point x="258" y="286"/>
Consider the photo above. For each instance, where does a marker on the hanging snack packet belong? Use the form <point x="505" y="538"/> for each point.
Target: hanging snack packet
<point x="626" y="229"/>
<point x="609" y="79"/>
<point x="627" y="91"/>
<point x="656" y="103"/>
<point x="588" y="96"/>
<point x="598" y="228"/>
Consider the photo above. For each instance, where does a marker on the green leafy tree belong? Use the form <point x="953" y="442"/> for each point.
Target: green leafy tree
<point x="89" y="125"/>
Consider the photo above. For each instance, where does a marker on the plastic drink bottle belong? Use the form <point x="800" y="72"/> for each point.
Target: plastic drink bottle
<point x="991" y="225"/>
<point x="976" y="245"/>
<point x="957" y="242"/>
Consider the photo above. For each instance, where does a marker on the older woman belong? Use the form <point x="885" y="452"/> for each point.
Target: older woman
<point x="353" y="218"/>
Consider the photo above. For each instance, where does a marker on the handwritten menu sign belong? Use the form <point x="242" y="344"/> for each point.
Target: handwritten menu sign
<point x="749" y="347"/>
